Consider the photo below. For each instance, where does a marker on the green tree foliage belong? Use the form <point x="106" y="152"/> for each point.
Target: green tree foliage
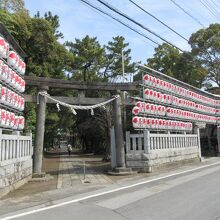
<point x="205" y="45"/>
<point x="37" y="36"/>
<point x="30" y="116"/>
<point x="114" y="50"/>
<point x="189" y="70"/>
<point x="182" y="66"/>
<point x="164" y="59"/>
<point x="54" y="22"/>
<point x="47" y="57"/>
<point x="89" y="58"/>
<point x="96" y="62"/>
<point x="7" y="19"/>
<point x="21" y="27"/>
<point x="94" y="131"/>
<point x="12" y="5"/>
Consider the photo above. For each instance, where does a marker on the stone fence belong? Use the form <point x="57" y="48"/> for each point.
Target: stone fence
<point x="15" y="160"/>
<point x="147" y="150"/>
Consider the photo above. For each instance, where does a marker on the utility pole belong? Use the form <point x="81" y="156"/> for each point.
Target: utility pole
<point x="124" y="93"/>
<point x="123" y="65"/>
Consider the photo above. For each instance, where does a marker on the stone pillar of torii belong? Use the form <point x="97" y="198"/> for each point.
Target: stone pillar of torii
<point x="39" y="134"/>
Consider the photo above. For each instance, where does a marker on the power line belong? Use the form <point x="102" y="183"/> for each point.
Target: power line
<point x="218" y="2"/>
<point x="213" y="8"/>
<point x="137" y="23"/>
<point x="158" y="20"/>
<point x="118" y="20"/>
<point x="186" y="12"/>
<point x="145" y="38"/>
<point x="207" y="6"/>
<point x="216" y="5"/>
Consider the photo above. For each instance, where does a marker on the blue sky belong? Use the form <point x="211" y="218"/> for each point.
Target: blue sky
<point x="78" y="20"/>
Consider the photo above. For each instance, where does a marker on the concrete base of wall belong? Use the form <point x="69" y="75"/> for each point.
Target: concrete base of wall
<point x="14" y="173"/>
<point x="4" y="191"/>
<point x="161" y="158"/>
<point x="176" y="164"/>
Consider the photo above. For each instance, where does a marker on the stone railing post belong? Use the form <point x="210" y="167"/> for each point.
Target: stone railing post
<point x="146" y="141"/>
<point x="128" y="142"/>
<point x="218" y="139"/>
<point x="1" y="148"/>
<point x="30" y="151"/>
<point x="197" y="131"/>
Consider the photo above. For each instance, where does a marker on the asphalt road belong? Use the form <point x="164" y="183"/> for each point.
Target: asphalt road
<point x="194" y="195"/>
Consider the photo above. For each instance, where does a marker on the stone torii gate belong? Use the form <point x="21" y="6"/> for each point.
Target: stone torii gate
<point x="43" y="85"/>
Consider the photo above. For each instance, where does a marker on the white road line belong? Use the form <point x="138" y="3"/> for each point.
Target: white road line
<point x="104" y="193"/>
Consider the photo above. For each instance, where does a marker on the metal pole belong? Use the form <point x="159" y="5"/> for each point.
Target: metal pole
<point x="123" y="65"/>
<point x="124" y="95"/>
<point x="84" y="170"/>
<point x="39" y="137"/>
